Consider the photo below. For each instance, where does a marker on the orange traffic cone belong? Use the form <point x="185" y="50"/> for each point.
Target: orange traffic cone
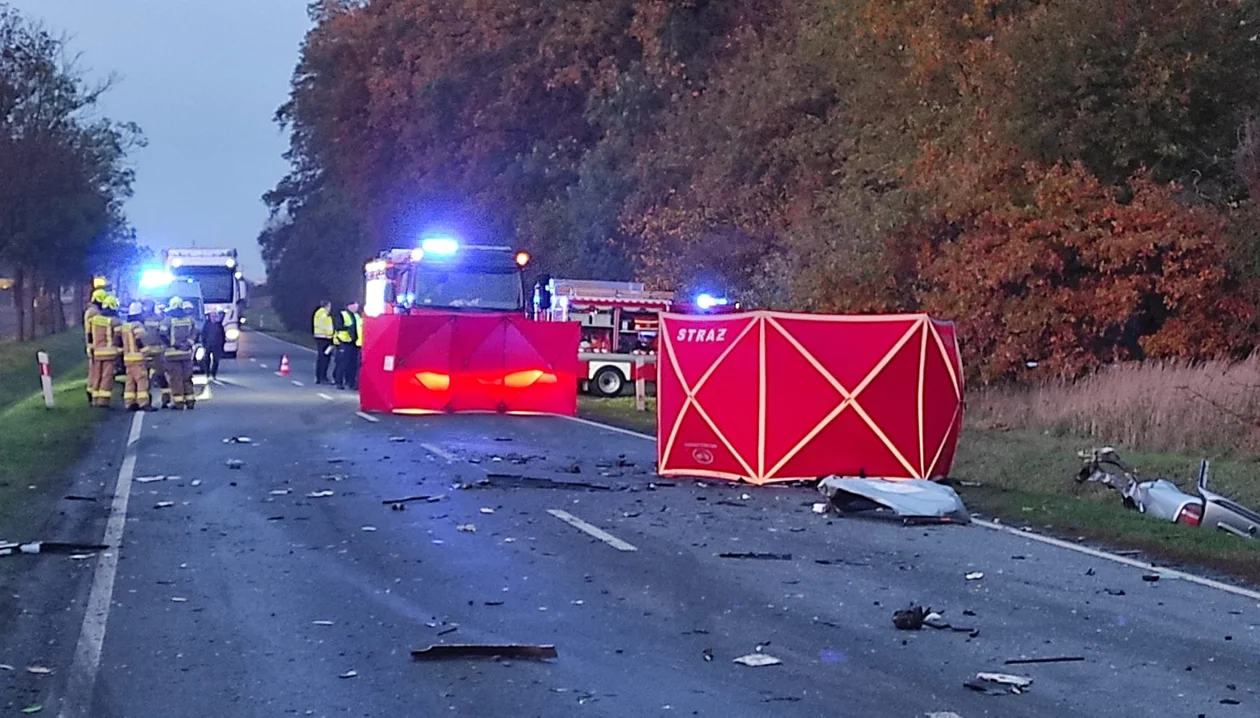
<point x="284" y="365"/>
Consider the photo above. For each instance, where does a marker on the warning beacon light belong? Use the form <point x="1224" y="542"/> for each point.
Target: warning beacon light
<point x="440" y="246"/>
<point x="155" y="278"/>
<point x="522" y="258"/>
<point x="708" y="301"/>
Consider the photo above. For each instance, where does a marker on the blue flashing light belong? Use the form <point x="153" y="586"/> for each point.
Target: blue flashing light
<point x="155" y="278"/>
<point x="443" y="246"/>
<point x="708" y="301"/>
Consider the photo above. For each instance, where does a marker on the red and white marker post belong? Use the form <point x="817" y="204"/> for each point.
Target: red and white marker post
<point x="45" y="378"/>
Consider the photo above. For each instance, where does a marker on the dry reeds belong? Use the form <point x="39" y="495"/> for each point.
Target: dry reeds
<point x="1155" y="406"/>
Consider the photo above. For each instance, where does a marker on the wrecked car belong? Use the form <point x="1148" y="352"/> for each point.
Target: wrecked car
<point x="911" y="500"/>
<point x="1163" y="499"/>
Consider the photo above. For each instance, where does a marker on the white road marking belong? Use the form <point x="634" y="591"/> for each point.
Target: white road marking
<point x="608" y="427"/>
<point x="595" y="531"/>
<point x="1106" y="556"/>
<point x="325" y="397"/>
<point x="297" y="383"/>
<point x="366" y="416"/>
<point x="253" y="359"/>
<point x="439" y="451"/>
<point x="87" y="654"/>
<point x="264" y="366"/>
<point x="276" y="339"/>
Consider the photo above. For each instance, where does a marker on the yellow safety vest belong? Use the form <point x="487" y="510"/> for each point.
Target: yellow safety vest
<point x="181" y="330"/>
<point x="102" y="338"/>
<point x="322" y="324"/>
<point x="350" y="319"/>
<point x="133" y="336"/>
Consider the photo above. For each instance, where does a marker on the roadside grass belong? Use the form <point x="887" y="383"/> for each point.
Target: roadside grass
<point x="1027" y="479"/>
<point x="262" y="318"/>
<point x="37" y="445"/>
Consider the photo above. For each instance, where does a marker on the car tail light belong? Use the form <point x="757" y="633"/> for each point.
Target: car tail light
<point x="434" y="382"/>
<point x="1190" y="514"/>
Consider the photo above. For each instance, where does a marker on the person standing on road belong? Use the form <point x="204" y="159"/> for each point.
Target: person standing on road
<point x="155" y="350"/>
<point x="213" y="339"/>
<point x="179" y="369"/>
<point x="93" y="310"/>
<point x="348" y="336"/>
<point x="103" y="341"/>
<point x="322" y="328"/>
<point x="134" y="342"/>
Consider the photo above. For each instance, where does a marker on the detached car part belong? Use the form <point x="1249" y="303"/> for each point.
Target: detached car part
<point x="1164" y="499"/>
<point x="913" y="500"/>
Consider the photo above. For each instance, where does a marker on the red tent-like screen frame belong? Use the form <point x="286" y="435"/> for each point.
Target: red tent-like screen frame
<point x="767" y="397"/>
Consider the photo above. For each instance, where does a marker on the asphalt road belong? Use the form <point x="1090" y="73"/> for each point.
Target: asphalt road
<point x="252" y="595"/>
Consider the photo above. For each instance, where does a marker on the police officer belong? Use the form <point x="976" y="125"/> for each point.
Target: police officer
<point x="103" y="341"/>
<point x="348" y="337"/>
<point x="155" y="350"/>
<point x="322" y="328"/>
<point x="134" y="342"/>
<point x="180" y="330"/>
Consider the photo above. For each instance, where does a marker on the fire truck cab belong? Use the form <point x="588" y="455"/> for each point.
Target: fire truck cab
<point x="442" y="274"/>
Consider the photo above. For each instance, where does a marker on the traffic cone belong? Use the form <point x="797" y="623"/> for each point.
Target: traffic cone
<point x="284" y="365"/>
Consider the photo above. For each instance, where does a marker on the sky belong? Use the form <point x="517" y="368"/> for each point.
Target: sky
<point x="203" y="79"/>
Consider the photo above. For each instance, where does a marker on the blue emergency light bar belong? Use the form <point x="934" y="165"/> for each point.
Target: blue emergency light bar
<point x="708" y="301"/>
<point x="442" y="246"/>
<point x="155" y="278"/>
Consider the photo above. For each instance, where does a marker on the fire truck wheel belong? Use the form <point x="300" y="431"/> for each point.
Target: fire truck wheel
<point x="608" y="382"/>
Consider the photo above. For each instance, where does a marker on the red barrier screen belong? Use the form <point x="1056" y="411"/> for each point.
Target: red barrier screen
<point x="769" y="396"/>
<point x="454" y="361"/>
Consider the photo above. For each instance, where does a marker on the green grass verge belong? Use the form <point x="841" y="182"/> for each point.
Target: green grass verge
<point x="262" y="318"/>
<point x="1026" y="479"/>
<point x="39" y="445"/>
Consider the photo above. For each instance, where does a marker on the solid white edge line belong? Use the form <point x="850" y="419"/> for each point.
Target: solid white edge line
<point x="1049" y="540"/>
<point x="608" y="427"/>
<point x="324" y="396"/>
<point x="439" y="451"/>
<point x="1096" y="553"/>
<point x="282" y="341"/>
<point x="87" y="653"/>
<point x="366" y="416"/>
<point x="595" y="531"/>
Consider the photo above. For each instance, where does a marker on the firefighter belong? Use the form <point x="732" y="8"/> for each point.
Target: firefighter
<point x="104" y="343"/>
<point x="322" y="328"/>
<point x="348" y="337"/>
<point x="135" y="340"/>
<point x="155" y="349"/>
<point x="93" y="309"/>
<point x="180" y="330"/>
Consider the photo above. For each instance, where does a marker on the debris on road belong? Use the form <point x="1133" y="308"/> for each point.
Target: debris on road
<point x="517" y="481"/>
<point x="151" y="479"/>
<point x="349" y="674"/>
<point x="234" y="463"/>
<point x="707" y="654"/>
<point x="974" y="576"/>
<point x="38" y="547"/>
<point x="998" y="683"/>
<point x="76" y="497"/>
<point x="33" y="709"/>
<point x="178" y="599"/>
<point x="238" y="440"/>
<point x="38" y="670"/>
<point x="758" y="555"/>
<point x="757" y="660"/>
<point x="487" y="510"/>
<point x="398" y="439"/>
<point x="910" y="619"/>
<point x="907" y="499"/>
<point x="196" y="482"/>
<point x="1054" y="659"/>
<point x="407" y="499"/>
<point x="322" y="623"/>
<point x="367" y="528"/>
<point x="820" y="508"/>
<point x="280" y="492"/>
<point x="163" y="504"/>
<point x="467" y="528"/>
<point x="455" y="651"/>
<point x="321" y="494"/>
<point x="1150" y="577"/>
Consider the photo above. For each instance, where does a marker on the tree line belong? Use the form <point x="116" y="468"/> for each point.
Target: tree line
<point x="1074" y="182"/>
<point x="63" y="175"/>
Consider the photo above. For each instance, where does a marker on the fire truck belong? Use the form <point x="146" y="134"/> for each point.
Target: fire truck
<point x="443" y="274"/>
<point x="620" y="326"/>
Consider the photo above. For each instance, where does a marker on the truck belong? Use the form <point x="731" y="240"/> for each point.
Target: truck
<point x="443" y="274"/>
<point x="223" y="287"/>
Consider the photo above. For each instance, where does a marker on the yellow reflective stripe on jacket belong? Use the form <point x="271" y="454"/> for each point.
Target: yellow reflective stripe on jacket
<point x="133" y="336"/>
<point x="322" y="324"/>
<point x="181" y="338"/>
<point x="350" y="319"/>
<point x="102" y="338"/>
<point x="153" y="337"/>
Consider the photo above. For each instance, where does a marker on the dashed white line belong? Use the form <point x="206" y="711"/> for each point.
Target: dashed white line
<point x="608" y="427"/>
<point x="439" y="451"/>
<point x="366" y="416"/>
<point x="87" y="654"/>
<point x="325" y="397"/>
<point x="297" y="383"/>
<point x="260" y="364"/>
<point x="282" y="341"/>
<point x="595" y="531"/>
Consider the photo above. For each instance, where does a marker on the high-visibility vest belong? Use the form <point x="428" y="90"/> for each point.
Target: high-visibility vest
<point x="153" y="345"/>
<point x="181" y="333"/>
<point x="322" y="324"/>
<point x="133" y="338"/>
<point x="350" y="320"/>
<point x="102" y="336"/>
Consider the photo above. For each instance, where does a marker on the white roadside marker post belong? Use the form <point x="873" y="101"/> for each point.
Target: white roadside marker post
<point x="640" y="386"/>
<point x="45" y="378"/>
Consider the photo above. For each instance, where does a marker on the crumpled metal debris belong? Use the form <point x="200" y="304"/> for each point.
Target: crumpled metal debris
<point x="758" y="555"/>
<point x="910" y="619"/>
<point x="454" y="651"/>
<point x="998" y="683"/>
<point x="911" y="500"/>
<point x="757" y="660"/>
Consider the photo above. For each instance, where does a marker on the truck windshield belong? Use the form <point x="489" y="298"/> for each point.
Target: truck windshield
<point x="218" y="284"/>
<point x="439" y="287"/>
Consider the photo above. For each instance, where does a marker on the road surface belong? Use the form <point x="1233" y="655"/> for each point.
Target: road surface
<point x="253" y="595"/>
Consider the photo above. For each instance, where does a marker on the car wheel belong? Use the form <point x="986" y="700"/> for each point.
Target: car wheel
<point x="608" y="382"/>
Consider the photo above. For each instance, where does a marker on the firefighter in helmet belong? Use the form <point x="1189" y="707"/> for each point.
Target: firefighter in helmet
<point x="103" y="342"/>
<point x="134" y="343"/>
<point x="155" y="349"/>
<point x="180" y="331"/>
<point x="94" y="307"/>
